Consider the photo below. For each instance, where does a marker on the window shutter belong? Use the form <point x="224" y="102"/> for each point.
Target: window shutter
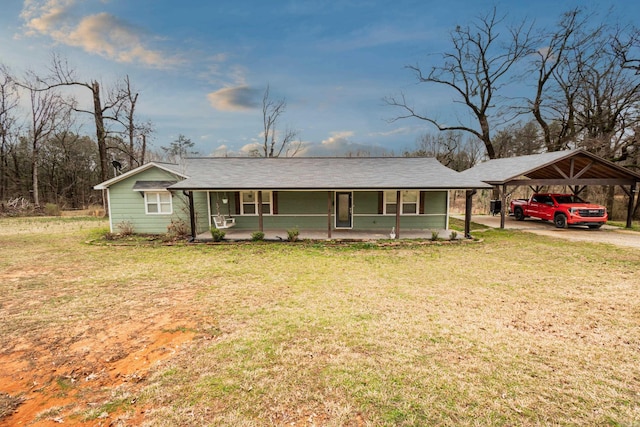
<point x="274" y="201"/>
<point x="380" y="202"/>
<point x="422" y="199"/>
<point x="236" y="196"/>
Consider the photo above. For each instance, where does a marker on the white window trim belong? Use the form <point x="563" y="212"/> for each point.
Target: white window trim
<point x="255" y="203"/>
<point x="156" y="194"/>
<point x="400" y="203"/>
<point x="416" y="203"/>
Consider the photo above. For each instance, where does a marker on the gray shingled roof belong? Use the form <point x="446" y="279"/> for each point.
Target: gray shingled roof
<point x="503" y="170"/>
<point x="554" y="165"/>
<point x="314" y="173"/>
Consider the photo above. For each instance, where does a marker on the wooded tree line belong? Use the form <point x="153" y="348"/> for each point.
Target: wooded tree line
<point x="44" y="158"/>
<point x="525" y="90"/>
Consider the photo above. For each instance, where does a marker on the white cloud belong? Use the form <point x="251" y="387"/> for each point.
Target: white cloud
<point x="102" y="33"/>
<point x="340" y="144"/>
<point x="239" y="98"/>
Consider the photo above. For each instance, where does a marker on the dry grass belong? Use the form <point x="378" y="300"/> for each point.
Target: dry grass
<point x="517" y="330"/>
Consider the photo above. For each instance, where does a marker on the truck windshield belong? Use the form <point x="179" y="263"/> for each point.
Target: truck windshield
<point x="568" y="199"/>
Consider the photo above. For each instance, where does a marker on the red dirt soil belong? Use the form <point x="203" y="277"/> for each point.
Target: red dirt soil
<point x="56" y="382"/>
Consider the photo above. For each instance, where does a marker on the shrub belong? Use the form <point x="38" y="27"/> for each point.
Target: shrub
<point x="125" y="228"/>
<point x="292" y="234"/>
<point x="177" y="229"/>
<point x="257" y="236"/>
<point x="51" y="209"/>
<point x="453" y="235"/>
<point x="217" y="234"/>
<point x="434" y="235"/>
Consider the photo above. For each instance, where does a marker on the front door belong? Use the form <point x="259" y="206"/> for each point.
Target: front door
<point x="344" y="217"/>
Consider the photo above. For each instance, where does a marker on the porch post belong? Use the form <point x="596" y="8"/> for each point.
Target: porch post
<point x="260" y="223"/>
<point x="632" y="193"/>
<point x="398" y="207"/>
<point x="329" y="206"/>
<point x="192" y="214"/>
<point x="467" y="213"/>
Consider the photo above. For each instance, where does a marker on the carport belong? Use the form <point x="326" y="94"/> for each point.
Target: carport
<point x="576" y="169"/>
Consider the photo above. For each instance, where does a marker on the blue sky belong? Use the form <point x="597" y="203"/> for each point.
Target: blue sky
<point x="201" y="67"/>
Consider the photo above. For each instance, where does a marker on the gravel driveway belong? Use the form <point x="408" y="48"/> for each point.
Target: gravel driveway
<point x="607" y="234"/>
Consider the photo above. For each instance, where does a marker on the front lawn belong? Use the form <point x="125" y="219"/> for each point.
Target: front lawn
<point x="516" y="330"/>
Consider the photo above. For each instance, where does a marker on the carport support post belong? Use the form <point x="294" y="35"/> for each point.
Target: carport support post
<point x="503" y="204"/>
<point x="467" y="213"/>
<point x="632" y="193"/>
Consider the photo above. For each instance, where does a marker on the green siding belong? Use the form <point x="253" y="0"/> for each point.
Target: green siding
<point x="308" y="210"/>
<point x="201" y="212"/>
<point x="302" y="202"/>
<point x="435" y="202"/>
<point x="365" y="202"/>
<point x="128" y="205"/>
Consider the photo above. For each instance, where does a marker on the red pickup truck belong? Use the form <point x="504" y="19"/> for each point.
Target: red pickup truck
<point x="563" y="209"/>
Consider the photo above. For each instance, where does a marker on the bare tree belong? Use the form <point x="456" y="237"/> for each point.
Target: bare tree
<point x="553" y="66"/>
<point x="9" y="99"/>
<point x="275" y="143"/>
<point x="47" y="112"/>
<point x="136" y="133"/>
<point x="101" y="110"/>
<point x="475" y="69"/>
<point x="450" y="148"/>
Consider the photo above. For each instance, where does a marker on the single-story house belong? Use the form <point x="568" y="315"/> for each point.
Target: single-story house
<point x="259" y="194"/>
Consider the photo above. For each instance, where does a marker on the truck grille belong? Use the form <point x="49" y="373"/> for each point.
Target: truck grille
<point x="591" y="212"/>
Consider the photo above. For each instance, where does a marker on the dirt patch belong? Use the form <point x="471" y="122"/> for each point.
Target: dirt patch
<point x="92" y="379"/>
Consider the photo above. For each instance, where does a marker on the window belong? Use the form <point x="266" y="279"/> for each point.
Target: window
<point x="158" y="203"/>
<point x="249" y="202"/>
<point x="390" y="202"/>
<point x="408" y="201"/>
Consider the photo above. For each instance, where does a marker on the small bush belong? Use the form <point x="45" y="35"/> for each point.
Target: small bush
<point x="292" y="234"/>
<point x="217" y="234"/>
<point x="434" y="235"/>
<point x="125" y="228"/>
<point x="257" y="236"/>
<point x="453" y="235"/>
<point x="51" y="209"/>
<point x="177" y="229"/>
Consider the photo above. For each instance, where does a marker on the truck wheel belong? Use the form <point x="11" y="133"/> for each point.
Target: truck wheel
<point x="560" y="220"/>
<point x="518" y="214"/>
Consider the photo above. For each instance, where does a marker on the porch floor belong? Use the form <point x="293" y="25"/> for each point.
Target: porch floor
<point x="281" y="234"/>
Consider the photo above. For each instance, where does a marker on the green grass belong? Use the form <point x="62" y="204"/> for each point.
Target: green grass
<point x="517" y="330"/>
<point x="635" y="225"/>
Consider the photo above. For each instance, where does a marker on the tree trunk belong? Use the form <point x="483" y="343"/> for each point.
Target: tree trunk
<point x="101" y="135"/>
<point x="34" y="175"/>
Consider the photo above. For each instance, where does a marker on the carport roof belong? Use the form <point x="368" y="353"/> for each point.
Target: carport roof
<point x="321" y="173"/>
<point x="571" y="167"/>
